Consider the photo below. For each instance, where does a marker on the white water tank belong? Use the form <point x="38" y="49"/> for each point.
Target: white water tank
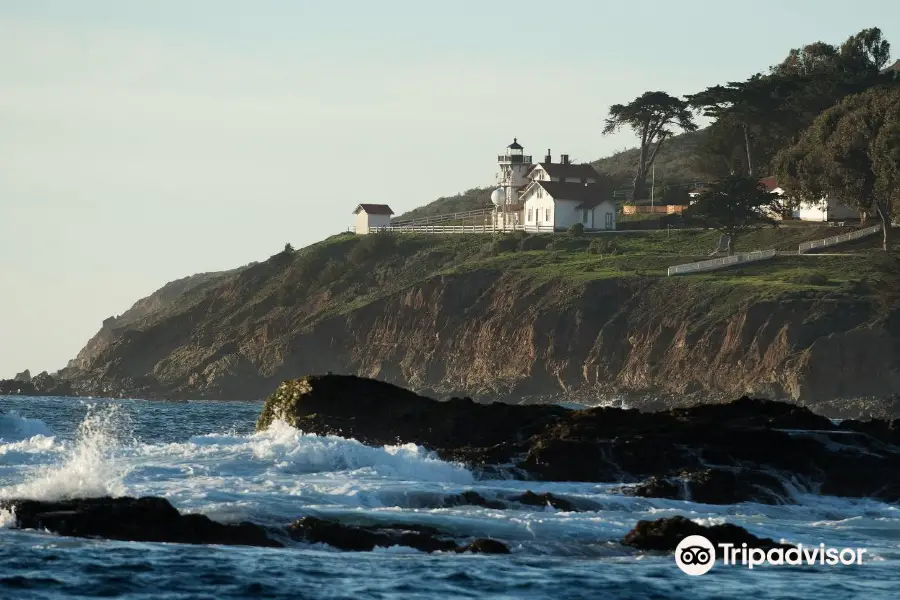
<point x="498" y="196"/>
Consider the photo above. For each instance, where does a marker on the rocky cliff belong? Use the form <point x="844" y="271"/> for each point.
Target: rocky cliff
<point x="456" y="316"/>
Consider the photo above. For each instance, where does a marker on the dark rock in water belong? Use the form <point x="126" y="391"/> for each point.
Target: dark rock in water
<point x="472" y="498"/>
<point x="359" y="538"/>
<point x="754" y="444"/>
<point x="531" y="499"/>
<point x="657" y="487"/>
<point x="665" y="534"/>
<point x="15" y="387"/>
<point x="714" y="486"/>
<point x="363" y="539"/>
<point x="42" y="384"/>
<point x="133" y="519"/>
<point x="485" y="546"/>
<point x="379" y="413"/>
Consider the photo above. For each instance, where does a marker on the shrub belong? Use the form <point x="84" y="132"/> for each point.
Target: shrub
<point x="373" y="245"/>
<point x="602" y="247"/>
<point x="576" y="229"/>
<point x="288" y="248"/>
<point x="532" y="242"/>
<point x="505" y="243"/>
<point x="332" y="271"/>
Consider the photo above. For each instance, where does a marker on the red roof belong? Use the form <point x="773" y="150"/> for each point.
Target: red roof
<point x="374" y="209"/>
<point x="770" y="183"/>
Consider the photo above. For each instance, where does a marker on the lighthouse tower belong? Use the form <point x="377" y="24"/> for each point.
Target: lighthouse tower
<point x="512" y="178"/>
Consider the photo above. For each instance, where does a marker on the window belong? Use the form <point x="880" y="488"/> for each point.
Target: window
<point x="540" y="192"/>
<point x="584" y="216"/>
<point x="609" y="220"/>
<point x="547" y="215"/>
<point x="530" y="210"/>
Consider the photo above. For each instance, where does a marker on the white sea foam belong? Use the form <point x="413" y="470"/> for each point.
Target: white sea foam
<point x="277" y="475"/>
<point x="283" y="450"/>
<point x="88" y="467"/>
<point x="7" y="518"/>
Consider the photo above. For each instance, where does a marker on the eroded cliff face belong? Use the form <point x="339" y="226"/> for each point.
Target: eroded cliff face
<point x="493" y="334"/>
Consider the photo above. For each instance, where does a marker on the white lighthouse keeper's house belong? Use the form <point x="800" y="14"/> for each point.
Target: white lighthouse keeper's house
<point x="548" y="196"/>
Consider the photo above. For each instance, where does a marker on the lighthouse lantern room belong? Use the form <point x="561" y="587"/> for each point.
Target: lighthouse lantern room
<point x="513" y="177"/>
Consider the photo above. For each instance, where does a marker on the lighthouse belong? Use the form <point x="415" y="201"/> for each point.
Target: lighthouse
<point x="512" y="178"/>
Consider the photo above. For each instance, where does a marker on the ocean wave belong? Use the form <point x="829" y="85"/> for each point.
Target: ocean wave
<point x="87" y="467"/>
<point x="283" y="450"/>
<point x="15" y="428"/>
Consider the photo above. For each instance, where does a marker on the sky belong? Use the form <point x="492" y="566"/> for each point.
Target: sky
<point x="142" y="141"/>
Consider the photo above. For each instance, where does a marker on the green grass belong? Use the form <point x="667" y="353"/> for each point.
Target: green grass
<point x="348" y="272"/>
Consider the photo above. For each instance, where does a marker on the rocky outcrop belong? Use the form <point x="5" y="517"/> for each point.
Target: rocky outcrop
<point x="360" y="538"/>
<point x="664" y="535"/>
<point x="720" y="454"/>
<point x="42" y="384"/>
<point x="133" y="519"/>
<point x="156" y="520"/>
<point x="23" y="377"/>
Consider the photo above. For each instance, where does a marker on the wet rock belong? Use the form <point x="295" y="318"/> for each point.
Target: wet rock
<point x="657" y="487"/>
<point x="529" y="498"/>
<point x="357" y="538"/>
<point x="714" y="486"/>
<point x="13" y="387"/>
<point x="485" y="546"/>
<point x="754" y="444"/>
<point x="379" y="413"/>
<point x="42" y="384"/>
<point x="133" y="519"/>
<point x="364" y="538"/>
<point x="664" y="535"/>
<point x="472" y="498"/>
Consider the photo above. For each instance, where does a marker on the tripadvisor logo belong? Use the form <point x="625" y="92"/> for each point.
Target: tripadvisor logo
<point x="696" y="555"/>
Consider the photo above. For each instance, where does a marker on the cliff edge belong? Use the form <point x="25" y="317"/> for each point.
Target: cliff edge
<point x="520" y="317"/>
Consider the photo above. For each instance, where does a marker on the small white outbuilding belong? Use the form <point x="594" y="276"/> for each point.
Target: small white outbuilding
<point x="371" y="217"/>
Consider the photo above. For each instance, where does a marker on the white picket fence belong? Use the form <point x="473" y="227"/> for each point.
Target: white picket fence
<point x="436" y="229"/>
<point x="488" y="228"/>
<point x="721" y="263"/>
<point x="838" y="239"/>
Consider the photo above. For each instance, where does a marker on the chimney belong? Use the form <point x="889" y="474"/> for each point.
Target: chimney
<point x="564" y="159"/>
<point x="548" y="158"/>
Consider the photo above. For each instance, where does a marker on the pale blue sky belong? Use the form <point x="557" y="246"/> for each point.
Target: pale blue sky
<point x="141" y="141"/>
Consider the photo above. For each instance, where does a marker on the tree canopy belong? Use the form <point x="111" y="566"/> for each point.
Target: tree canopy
<point x="756" y="118"/>
<point x="735" y="203"/>
<point x="851" y="152"/>
<point x="652" y="116"/>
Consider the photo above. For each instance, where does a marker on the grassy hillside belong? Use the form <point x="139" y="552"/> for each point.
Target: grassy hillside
<point x="346" y="271"/>
<point x="468" y="200"/>
<point x="675" y="163"/>
<point x="357" y="270"/>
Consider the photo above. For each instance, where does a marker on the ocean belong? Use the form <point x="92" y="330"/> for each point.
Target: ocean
<point x="205" y="457"/>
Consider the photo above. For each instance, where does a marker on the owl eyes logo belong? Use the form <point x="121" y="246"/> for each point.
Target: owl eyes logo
<point x="695" y="555"/>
